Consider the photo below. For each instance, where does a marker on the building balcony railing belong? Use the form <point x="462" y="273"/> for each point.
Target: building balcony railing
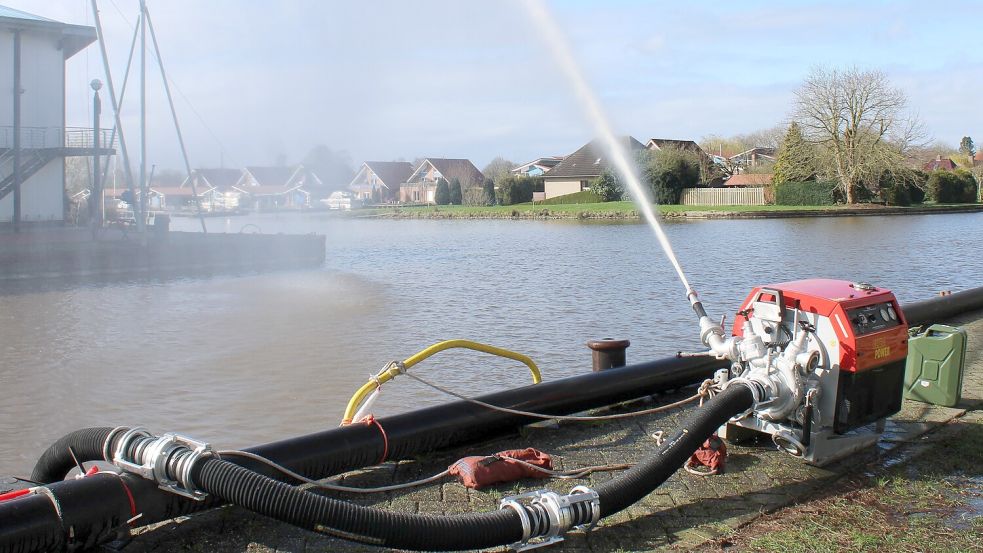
<point x="36" y="138"/>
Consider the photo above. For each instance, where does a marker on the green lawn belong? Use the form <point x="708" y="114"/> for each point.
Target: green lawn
<point x="598" y="210"/>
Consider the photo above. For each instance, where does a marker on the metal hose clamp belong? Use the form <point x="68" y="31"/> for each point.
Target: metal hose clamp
<point x="167" y="460"/>
<point x="547" y="516"/>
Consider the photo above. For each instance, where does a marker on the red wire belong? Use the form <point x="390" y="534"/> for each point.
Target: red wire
<point x="370" y="420"/>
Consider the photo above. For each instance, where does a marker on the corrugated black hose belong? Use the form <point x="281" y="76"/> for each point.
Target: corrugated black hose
<point x="338" y="518"/>
<point x="56" y="461"/>
<point x="315" y="512"/>
<point x="634" y="484"/>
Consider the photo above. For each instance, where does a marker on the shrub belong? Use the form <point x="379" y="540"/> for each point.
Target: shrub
<point x="805" y="193"/>
<point x="607" y="187"/>
<point x="668" y="171"/>
<point x="442" y="196"/>
<point x="951" y="187"/>
<point x="894" y="191"/>
<point x="456" y="196"/>
<point x="515" y="189"/>
<point x="489" y="190"/>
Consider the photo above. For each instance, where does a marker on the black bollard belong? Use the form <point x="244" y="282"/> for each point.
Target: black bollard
<point x="607" y="353"/>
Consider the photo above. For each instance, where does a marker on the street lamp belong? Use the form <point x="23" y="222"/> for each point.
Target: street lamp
<point x="97" y="204"/>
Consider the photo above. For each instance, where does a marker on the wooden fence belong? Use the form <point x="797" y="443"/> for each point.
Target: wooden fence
<point x="723" y="196"/>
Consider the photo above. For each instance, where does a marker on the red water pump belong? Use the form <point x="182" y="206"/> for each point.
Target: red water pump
<point x="827" y="361"/>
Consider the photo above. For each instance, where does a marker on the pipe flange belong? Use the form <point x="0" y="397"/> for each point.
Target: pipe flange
<point x="167" y="460"/>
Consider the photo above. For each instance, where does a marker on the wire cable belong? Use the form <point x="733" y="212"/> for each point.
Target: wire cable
<point x="707" y="389"/>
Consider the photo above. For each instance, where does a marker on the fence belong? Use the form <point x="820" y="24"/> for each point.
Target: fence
<point x="55" y="137"/>
<point x="723" y="196"/>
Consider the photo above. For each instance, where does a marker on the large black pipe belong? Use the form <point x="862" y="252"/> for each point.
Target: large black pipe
<point x="334" y="451"/>
<point x="942" y="308"/>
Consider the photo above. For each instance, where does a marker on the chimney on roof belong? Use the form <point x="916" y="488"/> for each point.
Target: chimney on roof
<point x="938" y="157"/>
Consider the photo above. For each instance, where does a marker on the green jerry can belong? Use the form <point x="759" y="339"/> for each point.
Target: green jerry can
<point x="934" y="371"/>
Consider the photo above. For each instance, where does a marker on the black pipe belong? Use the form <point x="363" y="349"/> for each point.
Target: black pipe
<point x="941" y="308"/>
<point x="342" y="449"/>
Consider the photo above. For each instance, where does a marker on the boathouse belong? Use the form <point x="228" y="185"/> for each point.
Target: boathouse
<point x="34" y="140"/>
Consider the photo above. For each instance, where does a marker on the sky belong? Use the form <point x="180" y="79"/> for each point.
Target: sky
<point x="257" y="81"/>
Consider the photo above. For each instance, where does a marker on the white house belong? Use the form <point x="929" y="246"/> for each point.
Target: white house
<point x="38" y="47"/>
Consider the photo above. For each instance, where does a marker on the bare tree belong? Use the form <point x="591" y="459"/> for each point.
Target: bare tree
<point x="860" y="122"/>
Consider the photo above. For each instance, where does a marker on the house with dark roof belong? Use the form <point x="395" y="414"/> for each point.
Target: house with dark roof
<point x="421" y="185"/>
<point x="379" y="181"/>
<point x="747" y="180"/>
<point x="537" y="167"/>
<point x="577" y="170"/>
<point x="940" y="164"/>
<point x="271" y="188"/>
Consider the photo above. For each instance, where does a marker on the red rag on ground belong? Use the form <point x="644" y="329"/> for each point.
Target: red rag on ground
<point x="712" y="454"/>
<point x="480" y="471"/>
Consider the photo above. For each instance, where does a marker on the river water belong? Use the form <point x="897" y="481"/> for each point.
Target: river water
<point x="241" y="360"/>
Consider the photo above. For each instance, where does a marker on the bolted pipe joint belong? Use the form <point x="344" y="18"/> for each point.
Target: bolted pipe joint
<point x="167" y="460"/>
<point x="547" y="516"/>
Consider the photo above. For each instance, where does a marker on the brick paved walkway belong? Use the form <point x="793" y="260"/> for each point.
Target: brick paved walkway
<point x="684" y="512"/>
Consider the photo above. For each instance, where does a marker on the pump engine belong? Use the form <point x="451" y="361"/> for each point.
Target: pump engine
<point x="826" y="360"/>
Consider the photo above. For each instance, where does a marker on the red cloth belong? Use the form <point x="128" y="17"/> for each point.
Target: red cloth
<point x="712" y="454"/>
<point x="480" y="471"/>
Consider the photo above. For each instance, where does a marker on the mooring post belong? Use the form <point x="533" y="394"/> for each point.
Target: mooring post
<point x="607" y="353"/>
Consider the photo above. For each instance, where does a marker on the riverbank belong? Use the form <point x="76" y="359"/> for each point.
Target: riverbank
<point x="628" y="211"/>
<point x="687" y="511"/>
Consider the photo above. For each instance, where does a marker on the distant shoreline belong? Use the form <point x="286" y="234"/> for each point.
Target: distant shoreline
<point x="625" y="211"/>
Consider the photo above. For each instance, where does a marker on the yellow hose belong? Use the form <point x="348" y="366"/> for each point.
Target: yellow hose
<point x="393" y="369"/>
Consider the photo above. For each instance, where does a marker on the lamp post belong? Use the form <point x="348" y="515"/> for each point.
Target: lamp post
<point x="97" y="204"/>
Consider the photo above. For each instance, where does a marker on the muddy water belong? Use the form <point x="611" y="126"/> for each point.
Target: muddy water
<point x="247" y="359"/>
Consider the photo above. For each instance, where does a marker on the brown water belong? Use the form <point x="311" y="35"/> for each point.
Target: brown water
<point x="248" y="359"/>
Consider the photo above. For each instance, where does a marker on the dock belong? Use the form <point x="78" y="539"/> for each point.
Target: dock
<point x="75" y="253"/>
<point x="686" y="512"/>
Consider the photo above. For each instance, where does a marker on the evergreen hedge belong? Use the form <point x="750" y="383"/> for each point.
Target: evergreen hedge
<point x="585" y="197"/>
<point x="805" y="193"/>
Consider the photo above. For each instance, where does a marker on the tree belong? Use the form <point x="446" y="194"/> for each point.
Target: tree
<point x="442" y="195"/>
<point x="859" y="121"/>
<point x="456" y="197"/>
<point x="489" y="190"/>
<point x="607" y="187"/>
<point x="376" y="195"/>
<point x="498" y="168"/>
<point x="668" y="171"/>
<point x="966" y="147"/>
<point x="795" y="161"/>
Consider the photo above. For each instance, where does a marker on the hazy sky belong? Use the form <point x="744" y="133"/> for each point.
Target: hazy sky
<point x="405" y="79"/>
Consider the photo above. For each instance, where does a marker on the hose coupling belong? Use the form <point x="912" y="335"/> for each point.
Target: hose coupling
<point x="547" y="516"/>
<point x="167" y="459"/>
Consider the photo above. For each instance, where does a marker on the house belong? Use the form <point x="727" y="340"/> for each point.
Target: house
<point x="745" y="180"/>
<point x="379" y="181"/>
<point x="577" y="170"/>
<point x="33" y="135"/>
<point x="181" y="198"/>
<point x="341" y="200"/>
<point x="754" y="157"/>
<point x="219" y="182"/>
<point x="422" y="183"/>
<point x="537" y="167"/>
<point x="271" y="188"/>
<point x="940" y="164"/>
<point x="978" y="158"/>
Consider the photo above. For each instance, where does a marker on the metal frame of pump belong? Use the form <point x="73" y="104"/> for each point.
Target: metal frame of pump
<point x="825" y="359"/>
